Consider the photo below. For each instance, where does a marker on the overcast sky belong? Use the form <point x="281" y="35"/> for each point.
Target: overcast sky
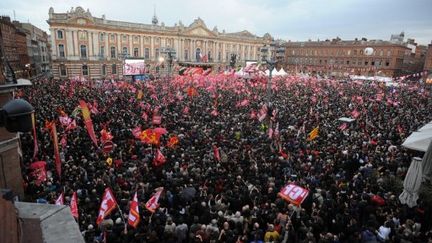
<point x="295" y="20"/>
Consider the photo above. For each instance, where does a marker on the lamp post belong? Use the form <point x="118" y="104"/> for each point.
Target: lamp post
<point x="276" y="53"/>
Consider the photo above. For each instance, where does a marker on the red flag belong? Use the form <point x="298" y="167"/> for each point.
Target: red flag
<point x="88" y="122"/>
<point x="74" y="205"/>
<point x="60" y="199"/>
<point x="106" y="136"/>
<point x="56" y="149"/>
<point x="134" y="217"/>
<point x="186" y="110"/>
<point x="39" y="171"/>
<point x="108" y="204"/>
<point x="63" y="141"/>
<point x="294" y="194"/>
<point x="35" y="147"/>
<point x="173" y="141"/>
<point x="216" y="153"/>
<point x="253" y="114"/>
<point x="159" y="158"/>
<point x="152" y="203"/>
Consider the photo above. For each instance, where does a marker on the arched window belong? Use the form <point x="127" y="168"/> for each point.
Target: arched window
<point x="83" y="49"/>
<point x="63" y="72"/>
<point x="198" y="54"/>
<point x="136" y="52"/>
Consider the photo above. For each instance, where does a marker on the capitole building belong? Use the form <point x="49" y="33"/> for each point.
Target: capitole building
<point x="95" y="48"/>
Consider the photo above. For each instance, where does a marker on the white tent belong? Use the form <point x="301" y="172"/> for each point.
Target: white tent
<point x="282" y="72"/>
<point x="412" y="183"/>
<point x="240" y="73"/>
<point x="418" y="140"/>
<point x="426" y="127"/>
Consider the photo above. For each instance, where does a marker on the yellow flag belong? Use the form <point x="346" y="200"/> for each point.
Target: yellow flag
<point x="313" y="134"/>
<point x="140" y="95"/>
<point x="109" y="161"/>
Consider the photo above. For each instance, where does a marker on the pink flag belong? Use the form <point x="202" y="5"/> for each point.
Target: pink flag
<point x="216" y="153"/>
<point x="152" y="204"/>
<point x="214" y="112"/>
<point x="159" y="158"/>
<point x="343" y="126"/>
<point x="156" y="119"/>
<point x="144" y="116"/>
<point x="136" y="132"/>
<point x="60" y="199"/>
<point x="355" y="114"/>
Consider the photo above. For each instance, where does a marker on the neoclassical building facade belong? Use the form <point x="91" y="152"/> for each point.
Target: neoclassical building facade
<point x="84" y="45"/>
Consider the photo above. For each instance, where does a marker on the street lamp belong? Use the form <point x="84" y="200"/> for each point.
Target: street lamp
<point x="276" y="53"/>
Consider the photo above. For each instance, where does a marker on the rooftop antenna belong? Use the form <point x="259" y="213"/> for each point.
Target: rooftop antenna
<point x="14" y="14"/>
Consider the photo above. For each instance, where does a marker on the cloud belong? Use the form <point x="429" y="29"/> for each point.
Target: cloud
<point x="287" y="19"/>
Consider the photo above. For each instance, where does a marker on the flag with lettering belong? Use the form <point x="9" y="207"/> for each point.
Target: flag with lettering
<point x="74" y="205"/>
<point x="294" y="194"/>
<point x="108" y="204"/>
<point x="134" y="217"/>
<point x="88" y="122"/>
<point x="152" y="204"/>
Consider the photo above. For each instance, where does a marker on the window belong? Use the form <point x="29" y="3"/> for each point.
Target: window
<point x="147" y="53"/>
<point x="381" y="53"/>
<point x="147" y="40"/>
<point x="349" y="52"/>
<point x="209" y="55"/>
<point x="186" y="54"/>
<point x="102" y="51"/>
<point x="112" y="37"/>
<point x="388" y="53"/>
<point x="124" y="38"/>
<point x="157" y="53"/>
<point x="347" y="62"/>
<point x="198" y="54"/>
<point x="125" y="50"/>
<point x="61" y="50"/>
<point x="63" y="70"/>
<point x="82" y="35"/>
<point x="103" y="70"/>
<point x="60" y="34"/>
<point x="83" y="51"/>
<point x="102" y="37"/>
<point x="85" y="70"/>
<point x="387" y="63"/>
<point x="220" y="56"/>
<point x="372" y="63"/>
<point x="136" y="52"/>
<point x="366" y="63"/>
<point x="114" y="69"/>
<point x="113" y="52"/>
<point x="136" y="39"/>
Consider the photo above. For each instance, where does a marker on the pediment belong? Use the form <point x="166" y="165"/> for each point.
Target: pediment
<point x="200" y="31"/>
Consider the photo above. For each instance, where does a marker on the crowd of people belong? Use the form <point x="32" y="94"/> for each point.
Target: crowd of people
<point x="353" y="171"/>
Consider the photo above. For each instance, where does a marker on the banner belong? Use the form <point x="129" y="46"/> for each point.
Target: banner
<point x="88" y="122"/>
<point x="313" y="134"/>
<point x="56" y="149"/>
<point x="159" y="158"/>
<point x="294" y="194"/>
<point x="134" y="217"/>
<point x="108" y="204"/>
<point x="152" y="203"/>
<point x="74" y="205"/>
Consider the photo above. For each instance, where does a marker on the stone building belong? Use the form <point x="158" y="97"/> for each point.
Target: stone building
<point x="84" y="45"/>
<point x="341" y="58"/>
